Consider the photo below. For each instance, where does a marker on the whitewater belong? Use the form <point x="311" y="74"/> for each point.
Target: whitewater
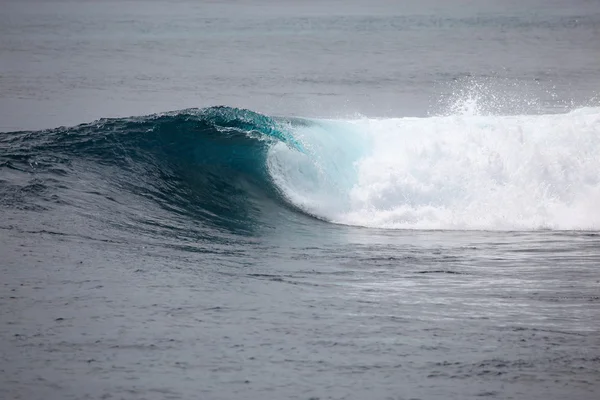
<point x="521" y="172"/>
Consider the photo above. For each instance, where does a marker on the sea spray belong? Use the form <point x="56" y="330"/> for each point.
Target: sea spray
<point x="454" y="172"/>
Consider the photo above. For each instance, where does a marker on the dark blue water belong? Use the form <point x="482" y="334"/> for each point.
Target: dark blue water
<point x="304" y="200"/>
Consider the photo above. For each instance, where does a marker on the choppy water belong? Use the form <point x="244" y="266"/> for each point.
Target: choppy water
<point x="396" y="201"/>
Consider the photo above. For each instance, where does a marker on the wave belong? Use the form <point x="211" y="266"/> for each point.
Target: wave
<point x="207" y="165"/>
<point x="231" y="167"/>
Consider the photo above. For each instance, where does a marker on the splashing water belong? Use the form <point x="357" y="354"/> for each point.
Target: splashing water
<point x="453" y="172"/>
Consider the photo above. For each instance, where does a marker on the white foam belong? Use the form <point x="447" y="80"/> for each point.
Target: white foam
<point x="455" y="172"/>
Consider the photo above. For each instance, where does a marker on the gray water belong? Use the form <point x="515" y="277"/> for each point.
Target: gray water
<point x="95" y="304"/>
<point x="67" y="62"/>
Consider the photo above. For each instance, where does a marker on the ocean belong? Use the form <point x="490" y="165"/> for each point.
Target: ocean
<point x="300" y="200"/>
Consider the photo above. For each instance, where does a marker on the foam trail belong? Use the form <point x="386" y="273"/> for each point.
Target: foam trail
<point x="456" y="172"/>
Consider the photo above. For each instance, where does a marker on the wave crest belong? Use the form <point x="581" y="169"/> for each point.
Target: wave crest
<point x="232" y="167"/>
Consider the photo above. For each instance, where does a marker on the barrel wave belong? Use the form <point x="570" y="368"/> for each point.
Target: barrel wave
<point x="237" y="170"/>
<point x="202" y="166"/>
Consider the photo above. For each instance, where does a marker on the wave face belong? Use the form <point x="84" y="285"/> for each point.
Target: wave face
<point x="235" y="168"/>
<point x="205" y="168"/>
